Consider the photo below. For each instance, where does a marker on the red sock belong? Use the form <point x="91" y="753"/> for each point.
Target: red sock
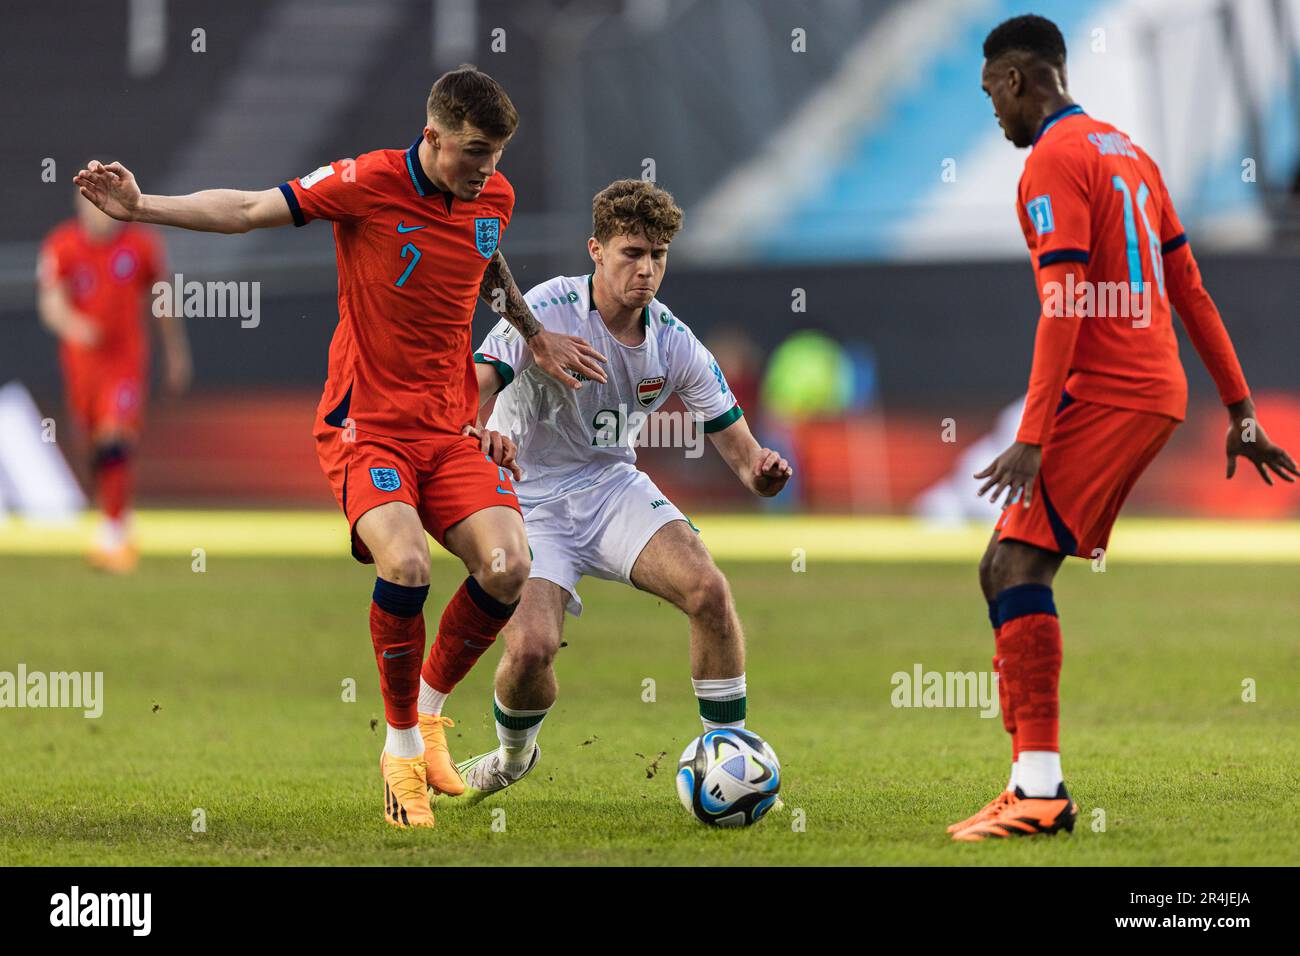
<point x="399" y="644"/>
<point x="113" y="484"/>
<point x="1030" y="653"/>
<point x="1004" y="687"/>
<point x="1005" y="703"/>
<point x="469" y="625"/>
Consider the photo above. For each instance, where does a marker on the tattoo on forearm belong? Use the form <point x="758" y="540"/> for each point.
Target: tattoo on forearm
<point x="498" y="289"/>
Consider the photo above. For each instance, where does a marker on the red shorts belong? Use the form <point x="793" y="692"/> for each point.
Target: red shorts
<point x="108" y="402"/>
<point x="445" y="478"/>
<point x="1091" y="462"/>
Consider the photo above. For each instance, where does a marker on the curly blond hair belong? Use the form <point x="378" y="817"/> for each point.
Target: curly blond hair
<point x="626" y="206"/>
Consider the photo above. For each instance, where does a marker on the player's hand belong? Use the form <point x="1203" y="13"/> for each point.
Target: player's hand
<point x="559" y="356"/>
<point x="496" y="446"/>
<point x="179" y="372"/>
<point x="1246" y="438"/>
<point x="80" y="331"/>
<point x="112" y="188"/>
<point x="769" y="472"/>
<point x="1015" y="470"/>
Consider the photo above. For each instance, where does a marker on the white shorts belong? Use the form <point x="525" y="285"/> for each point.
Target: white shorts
<point x="599" y="531"/>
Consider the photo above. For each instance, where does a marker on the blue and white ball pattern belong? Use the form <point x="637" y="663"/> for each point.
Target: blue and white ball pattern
<point x="728" y="778"/>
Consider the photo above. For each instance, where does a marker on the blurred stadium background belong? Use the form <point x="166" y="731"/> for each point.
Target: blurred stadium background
<point x="851" y="251"/>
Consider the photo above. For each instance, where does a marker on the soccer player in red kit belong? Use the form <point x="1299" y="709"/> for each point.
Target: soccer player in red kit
<point x="417" y="233"/>
<point x="94" y="279"/>
<point x="1106" y="391"/>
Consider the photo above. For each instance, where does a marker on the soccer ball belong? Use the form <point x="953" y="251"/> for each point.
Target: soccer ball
<point x="728" y="778"/>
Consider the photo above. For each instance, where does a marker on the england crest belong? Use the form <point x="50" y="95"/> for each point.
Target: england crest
<point x="386" y="479"/>
<point x="648" y="389"/>
<point x="123" y="264"/>
<point x="487" y="233"/>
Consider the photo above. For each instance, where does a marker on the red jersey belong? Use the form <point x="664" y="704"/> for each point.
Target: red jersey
<point x="110" y="281"/>
<point x="1089" y="196"/>
<point x="410" y="262"/>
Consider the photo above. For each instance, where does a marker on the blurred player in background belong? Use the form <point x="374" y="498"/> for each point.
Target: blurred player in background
<point x="588" y="509"/>
<point x="417" y="233"/>
<point x="95" y="281"/>
<point x="1106" y="391"/>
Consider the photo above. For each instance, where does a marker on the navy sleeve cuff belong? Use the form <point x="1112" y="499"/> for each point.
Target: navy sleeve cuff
<point x="1176" y="242"/>
<point x="292" y="200"/>
<point x="1063" y="255"/>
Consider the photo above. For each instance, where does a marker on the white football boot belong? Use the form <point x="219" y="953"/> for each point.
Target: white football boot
<point x="485" y="776"/>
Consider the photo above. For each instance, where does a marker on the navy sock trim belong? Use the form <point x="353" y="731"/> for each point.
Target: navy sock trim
<point x="110" y="455"/>
<point x="994" y="617"/>
<point x="398" y="599"/>
<point x="1025" y="599"/>
<point x="486" y="602"/>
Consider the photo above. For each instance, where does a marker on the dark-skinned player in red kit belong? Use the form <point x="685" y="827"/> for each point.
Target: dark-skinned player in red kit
<point x="1110" y="258"/>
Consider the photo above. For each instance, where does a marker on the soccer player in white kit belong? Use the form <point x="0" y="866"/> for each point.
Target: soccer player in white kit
<point x="587" y="509"/>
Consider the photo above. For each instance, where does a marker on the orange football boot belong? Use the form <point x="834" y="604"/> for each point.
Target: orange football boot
<point x="406" y="799"/>
<point x="442" y="774"/>
<point x="989" y="810"/>
<point x="120" y="560"/>
<point x="1025" y="816"/>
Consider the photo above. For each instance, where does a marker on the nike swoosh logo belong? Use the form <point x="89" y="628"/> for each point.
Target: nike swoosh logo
<point x="389" y="656"/>
<point x="401" y="228"/>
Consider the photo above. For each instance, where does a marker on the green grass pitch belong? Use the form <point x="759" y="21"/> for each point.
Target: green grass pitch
<point x="223" y="692"/>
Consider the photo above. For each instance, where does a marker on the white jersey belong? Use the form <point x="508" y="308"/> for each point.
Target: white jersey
<point x="569" y="439"/>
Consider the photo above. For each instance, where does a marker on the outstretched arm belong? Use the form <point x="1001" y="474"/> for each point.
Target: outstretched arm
<point x="1204" y="324"/>
<point x="1246" y="437"/>
<point x="761" y="470"/>
<point x="554" y="353"/>
<point x="114" y="190"/>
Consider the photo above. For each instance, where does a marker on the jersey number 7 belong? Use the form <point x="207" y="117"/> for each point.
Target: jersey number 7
<point x="409" y="249"/>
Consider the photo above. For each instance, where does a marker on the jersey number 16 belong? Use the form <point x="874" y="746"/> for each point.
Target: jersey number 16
<point x="1131" y="235"/>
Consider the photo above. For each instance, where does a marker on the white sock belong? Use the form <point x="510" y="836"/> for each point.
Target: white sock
<point x="517" y="730"/>
<point x="719" y="700"/>
<point x="1011" y="784"/>
<point x="405" y="743"/>
<point x="114" y="534"/>
<point x="1038" y="772"/>
<point x="431" y="700"/>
